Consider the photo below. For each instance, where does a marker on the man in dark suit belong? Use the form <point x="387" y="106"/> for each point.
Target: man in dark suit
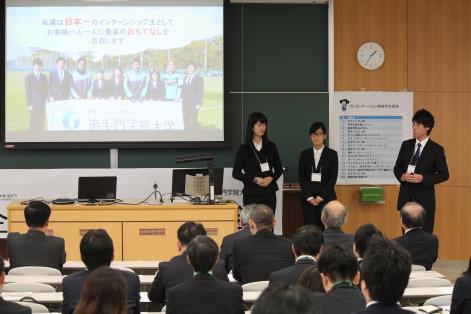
<point x="35" y="248"/>
<point x="227" y="246"/>
<point x="385" y="273"/>
<point x="340" y="277"/>
<point x="36" y="96"/>
<point x="9" y="307"/>
<point x="307" y="244"/>
<point x="99" y="85"/>
<point x="422" y="246"/>
<point x="192" y="96"/>
<point x="334" y="216"/>
<point x="318" y="169"/>
<point x="96" y="250"/>
<point x="362" y="237"/>
<point x="203" y="293"/>
<point x="59" y="82"/>
<point x="177" y="269"/>
<point x="420" y="165"/>
<point x="257" y="256"/>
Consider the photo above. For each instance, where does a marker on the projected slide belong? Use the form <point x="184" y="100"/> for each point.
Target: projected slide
<point x="114" y="73"/>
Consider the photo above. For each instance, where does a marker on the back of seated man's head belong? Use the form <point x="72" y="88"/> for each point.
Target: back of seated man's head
<point x="37" y="214"/>
<point x="286" y="299"/>
<point x="96" y="249"/>
<point x="362" y="237"/>
<point x="412" y="215"/>
<point x="202" y="253"/>
<point x="307" y="240"/>
<point x="188" y="231"/>
<point x="385" y="271"/>
<point x="245" y="214"/>
<point x="334" y="215"/>
<point x="337" y="265"/>
<point x="261" y="218"/>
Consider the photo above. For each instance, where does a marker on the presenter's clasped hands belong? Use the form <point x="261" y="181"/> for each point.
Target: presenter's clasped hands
<point x="412" y="177"/>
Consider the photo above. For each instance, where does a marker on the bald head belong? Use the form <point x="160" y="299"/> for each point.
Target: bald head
<point x="413" y="215"/>
<point x="334" y="215"/>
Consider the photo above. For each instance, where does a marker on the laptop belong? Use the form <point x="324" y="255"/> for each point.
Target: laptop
<point x="92" y="189"/>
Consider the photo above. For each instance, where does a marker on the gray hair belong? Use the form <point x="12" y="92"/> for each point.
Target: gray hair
<point x="262" y="216"/>
<point x="413" y="215"/>
<point x="245" y="214"/>
<point x="334" y="215"/>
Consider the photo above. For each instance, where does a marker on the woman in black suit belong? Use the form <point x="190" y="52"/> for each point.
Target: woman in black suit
<point x="318" y="169"/>
<point x="461" y="298"/>
<point x="260" y="162"/>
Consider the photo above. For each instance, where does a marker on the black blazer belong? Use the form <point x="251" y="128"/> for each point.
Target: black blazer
<point x="36" y="91"/>
<point x="13" y="308"/>
<point x="72" y="288"/>
<point x="290" y="274"/>
<point x="431" y="164"/>
<point x="342" y="299"/>
<point x="157" y="92"/>
<point x="422" y="246"/>
<point x="57" y="89"/>
<point x="192" y="94"/>
<point x="461" y="298"/>
<point x="257" y="256"/>
<point x="328" y="167"/>
<point x="34" y="248"/>
<point x="379" y="308"/>
<point x="334" y="236"/>
<point x="174" y="272"/>
<point x="204" y="294"/>
<point x="115" y="90"/>
<point x="99" y="91"/>
<point x="246" y="160"/>
<point x="227" y="245"/>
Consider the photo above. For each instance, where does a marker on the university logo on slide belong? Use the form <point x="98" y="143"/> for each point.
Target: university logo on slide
<point x="70" y="121"/>
<point x="344" y="102"/>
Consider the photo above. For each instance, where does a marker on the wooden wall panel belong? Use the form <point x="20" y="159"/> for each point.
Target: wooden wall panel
<point x="359" y="21"/>
<point x="439" y="45"/>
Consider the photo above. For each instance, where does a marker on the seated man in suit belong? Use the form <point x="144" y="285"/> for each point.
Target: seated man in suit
<point x="9" y="307"/>
<point x="35" y="248"/>
<point x="257" y="256"/>
<point x="177" y="269"/>
<point x="227" y="245"/>
<point x="203" y="293"/>
<point x="422" y="246"/>
<point x="385" y="274"/>
<point x="334" y="216"/>
<point x="307" y="244"/>
<point x="96" y="250"/>
<point x="362" y="237"/>
<point x="340" y="277"/>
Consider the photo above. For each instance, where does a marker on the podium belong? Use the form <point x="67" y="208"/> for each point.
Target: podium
<point x="139" y="232"/>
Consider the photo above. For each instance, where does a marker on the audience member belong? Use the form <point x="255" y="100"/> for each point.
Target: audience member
<point x="227" y="246"/>
<point x="177" y="269"/>
<point x="104" y="292"/>
<point x="311" y="279"/>
<point x="361" y="239"/>
<point x="286" y="299"/>
<point x="385" y="274"/>
<point x="334" y="216"/>
<point x="257" y="256"/>
<point x="203" y="293"/>
<point x="461" y="298"/>
<point x="35" y="248"/>
<point x="307" y="243"/>
<point x="9" y="307"/>
<point x="96" y="250"/>
<point x="422" y="246"/>
<point x="339" y="271"/>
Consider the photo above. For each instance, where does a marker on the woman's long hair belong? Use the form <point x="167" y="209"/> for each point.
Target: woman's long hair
<point x="104" y="292"/>
<point x="251" y="121"/>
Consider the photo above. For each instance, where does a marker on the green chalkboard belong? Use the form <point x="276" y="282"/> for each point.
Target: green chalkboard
<point x="276" y="62"/>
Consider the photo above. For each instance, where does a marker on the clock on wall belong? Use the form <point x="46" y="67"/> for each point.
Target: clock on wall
<point x="370" y="55"/>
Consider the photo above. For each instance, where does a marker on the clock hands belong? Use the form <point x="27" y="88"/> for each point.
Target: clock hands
<point x="370" y="57"/>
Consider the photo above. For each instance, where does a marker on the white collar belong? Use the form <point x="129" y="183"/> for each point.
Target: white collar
<point x="422" y="144"/>
<point x="258" y="146"/>
<point x="306" y="257"/>
<point x="410" y="229"/>
<point x="371" y="303"/>
<point x="318" y="150"/>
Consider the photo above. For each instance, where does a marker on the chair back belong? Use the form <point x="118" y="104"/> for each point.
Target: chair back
<point x="27" y="287"/>
<point x="444" y="300"/>
<point x="35" y="307"/>
<point x="255" y="286"/>
<point x="34" y="271"/>
<point x="428" y="282"/>
<point x="418" y="268"/>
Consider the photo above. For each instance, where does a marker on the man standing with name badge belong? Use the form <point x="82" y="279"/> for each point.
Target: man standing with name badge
<point x="420" y="165"/>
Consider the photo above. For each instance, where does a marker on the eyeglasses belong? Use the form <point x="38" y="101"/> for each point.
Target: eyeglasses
<point x="318" y="134"/>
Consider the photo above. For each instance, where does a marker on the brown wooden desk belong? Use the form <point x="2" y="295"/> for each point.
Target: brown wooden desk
<point x="139" y="232"/>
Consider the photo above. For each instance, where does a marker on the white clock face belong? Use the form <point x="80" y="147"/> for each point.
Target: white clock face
<point x="370" y="55"/>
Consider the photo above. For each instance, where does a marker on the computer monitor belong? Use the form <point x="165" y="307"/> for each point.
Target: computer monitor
<point x="96" y="188"/>
<point x="179" y="180"/>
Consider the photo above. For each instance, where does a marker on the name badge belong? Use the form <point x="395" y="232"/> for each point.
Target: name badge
<point x="264" y="167"/>
<point x="316" y="177"/>
<point x="410" y="169"/>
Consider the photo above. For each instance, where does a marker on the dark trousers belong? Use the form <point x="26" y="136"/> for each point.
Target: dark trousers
<point x="190" y="116"/>
<point x="268" y="199"/>
<point x="429" y="220"/>
<point x="36" y="118"/>
<point x="312" y="214"/>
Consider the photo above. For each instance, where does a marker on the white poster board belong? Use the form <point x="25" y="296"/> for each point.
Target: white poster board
<point x="367" y="129"/>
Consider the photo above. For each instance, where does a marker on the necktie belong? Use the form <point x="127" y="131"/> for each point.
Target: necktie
<point x="416" y="155"/>
<point x="61" y="75"/>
